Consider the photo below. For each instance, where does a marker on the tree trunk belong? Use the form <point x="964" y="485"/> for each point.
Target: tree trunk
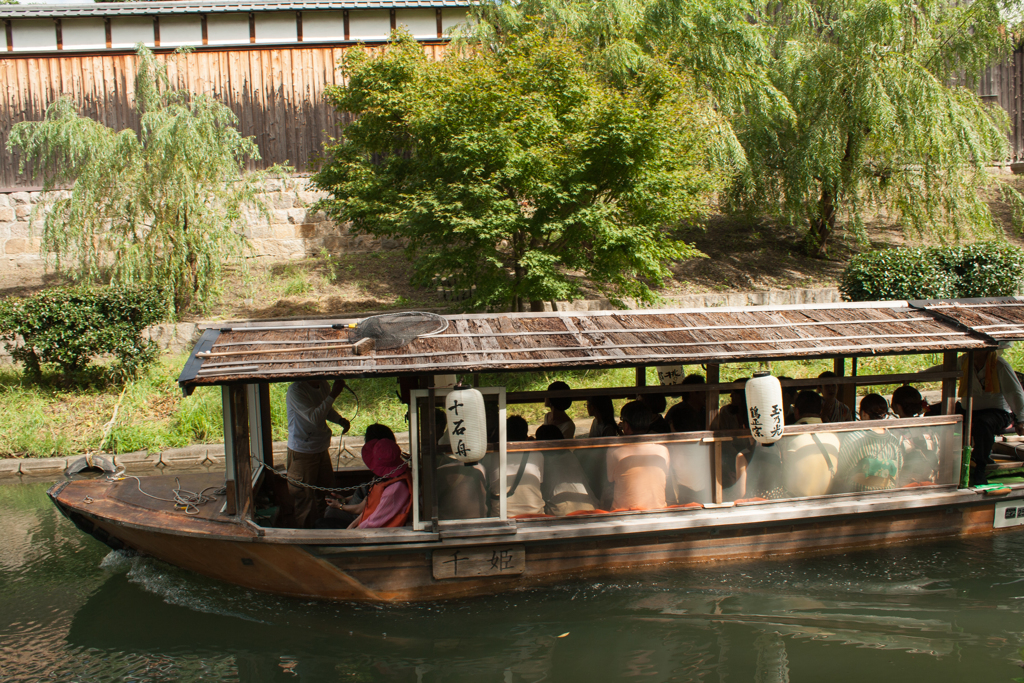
<point x="824" y="225"/>
<point x="517" y="301"/>
<point x="536" y="306"/>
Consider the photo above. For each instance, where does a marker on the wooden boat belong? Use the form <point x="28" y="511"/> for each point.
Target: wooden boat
<point x="438" y="558"/>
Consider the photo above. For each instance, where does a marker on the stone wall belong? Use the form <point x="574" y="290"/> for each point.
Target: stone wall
<point x="17" y="246"/>
<point x="289" y="229"/>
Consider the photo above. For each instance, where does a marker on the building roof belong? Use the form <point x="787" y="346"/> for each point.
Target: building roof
<point x="513" y="342"/>
<point x="107" y="9"/>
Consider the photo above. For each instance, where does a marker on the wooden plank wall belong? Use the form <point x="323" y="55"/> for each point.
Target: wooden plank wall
<point x="1004" y="84"/>
<point x="277" y="94"/>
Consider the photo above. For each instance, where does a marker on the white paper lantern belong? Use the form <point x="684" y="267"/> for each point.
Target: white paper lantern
<point x="765" y="407"/>
<point x="467" y="423"/>
<point x="670" y="374"/>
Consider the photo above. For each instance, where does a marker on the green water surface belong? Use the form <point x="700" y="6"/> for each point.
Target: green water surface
<point x="71" y="610"/>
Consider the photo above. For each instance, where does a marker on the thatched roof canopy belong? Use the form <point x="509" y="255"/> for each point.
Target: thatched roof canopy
<point x="504" y="342"/>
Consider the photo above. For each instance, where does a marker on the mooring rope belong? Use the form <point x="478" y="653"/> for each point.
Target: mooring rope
<point x="184" y="500"/>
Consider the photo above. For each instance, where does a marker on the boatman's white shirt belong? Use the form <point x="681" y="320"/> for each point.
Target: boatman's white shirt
<point x="308" y="408"/>
<point x="1010" y="397"/>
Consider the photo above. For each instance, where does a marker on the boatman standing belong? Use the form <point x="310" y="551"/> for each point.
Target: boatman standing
<point x="998" y="403"/>
<point x="310" y="407"/>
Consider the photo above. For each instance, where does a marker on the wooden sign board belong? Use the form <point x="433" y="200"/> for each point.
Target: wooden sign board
<point x="467" y="563"/>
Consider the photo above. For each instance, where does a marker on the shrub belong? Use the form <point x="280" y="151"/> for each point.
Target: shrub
<point x="984" y="268"/>
<point x="976" y="270"/>
<point x="895" y="274"/>
<point x="70" y="326"/>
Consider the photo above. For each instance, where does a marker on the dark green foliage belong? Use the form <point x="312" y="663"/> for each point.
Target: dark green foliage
<point x="977" y="270"/>
<point x="895" y="274"/>
<point x="983" y="268"/>
<point x="518" y="170"/>
<point x="70" y="326"/>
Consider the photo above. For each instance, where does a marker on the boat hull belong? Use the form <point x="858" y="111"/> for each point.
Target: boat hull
<point x="289" y="562"/>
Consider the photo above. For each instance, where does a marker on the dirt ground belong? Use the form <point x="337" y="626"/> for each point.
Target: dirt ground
<point x="744" y="254"/>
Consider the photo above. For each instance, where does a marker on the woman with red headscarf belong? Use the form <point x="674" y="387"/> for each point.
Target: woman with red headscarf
<point x="389" y="501"/>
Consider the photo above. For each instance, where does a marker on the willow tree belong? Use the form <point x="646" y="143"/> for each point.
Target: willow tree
<point x="877" y="119"/>
<point x="518" y="170"/>
<point x="830" y="109"/>
<point x="162" y="205"/>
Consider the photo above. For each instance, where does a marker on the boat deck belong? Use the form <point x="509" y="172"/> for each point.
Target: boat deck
<point x="149" y="502"/>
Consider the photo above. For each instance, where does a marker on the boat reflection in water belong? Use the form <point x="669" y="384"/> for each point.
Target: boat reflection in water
<point x="763" y="622"/>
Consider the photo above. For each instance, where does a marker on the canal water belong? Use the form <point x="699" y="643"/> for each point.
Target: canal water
<point x="71" y="610"/>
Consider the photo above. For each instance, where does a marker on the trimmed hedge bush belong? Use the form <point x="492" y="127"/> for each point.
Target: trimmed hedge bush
<point x="70" y="326"/>
<point x="976" y="270"/>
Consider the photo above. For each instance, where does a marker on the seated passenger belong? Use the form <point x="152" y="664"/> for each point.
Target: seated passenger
<point x="461" y="486"/>
<point x="808" y="460"/>
<point x="565" y="485"/>
<point x="788" y="396"/>
<point x="734" y="414"/>
<point x="557" y="415"/>
<point x="832" y="409"/>
<point x="690" y="476"/>
<point x="683" y="418"/>
<point x="389" y="501"/>
<point x="873" y="407"/>
<point x="491" y="414"/>
<point x="441" y="428"/>
<point x="919" y="449"/>
<point x="656" y="403"/>
<point x="907" y="402"/>
<point x="601" y="409"/>
<point x="638" y="472"/>
<point x="523" y="475"/>
<point x="869" y="459"/>
<point x="690" y="414"/>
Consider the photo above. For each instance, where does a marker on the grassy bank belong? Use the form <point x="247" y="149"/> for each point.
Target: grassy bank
<point x="46" y="420"/>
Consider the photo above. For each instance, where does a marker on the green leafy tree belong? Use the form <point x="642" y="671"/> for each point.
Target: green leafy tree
<point x="518" y="170"/>
<point x="874" y="119"/>
<point x="713" y="43"/>
<point x="162" y="205"/>
<point x="830" y="109"/>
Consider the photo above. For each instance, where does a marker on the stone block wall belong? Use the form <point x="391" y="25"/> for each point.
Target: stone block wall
<point x="18" y="244"/>
<point x="287" y="229"/>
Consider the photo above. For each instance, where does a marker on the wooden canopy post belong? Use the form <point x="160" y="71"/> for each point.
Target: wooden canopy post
<point x="428" y="452"/>
<point x="711" y="405"/>
<point x="227" y="411"/>
<point x="711" y="408"/>
<point x="847" y="392"/>
<point x="948" y="406"/>
<point x="278" y="485"/>
<point x="239" y="426"/>
<point x="641" y="376"/>
<point x="968" y="399"/>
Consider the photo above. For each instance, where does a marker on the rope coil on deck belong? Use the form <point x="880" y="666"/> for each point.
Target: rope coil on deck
<point x="184" y="500"/>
